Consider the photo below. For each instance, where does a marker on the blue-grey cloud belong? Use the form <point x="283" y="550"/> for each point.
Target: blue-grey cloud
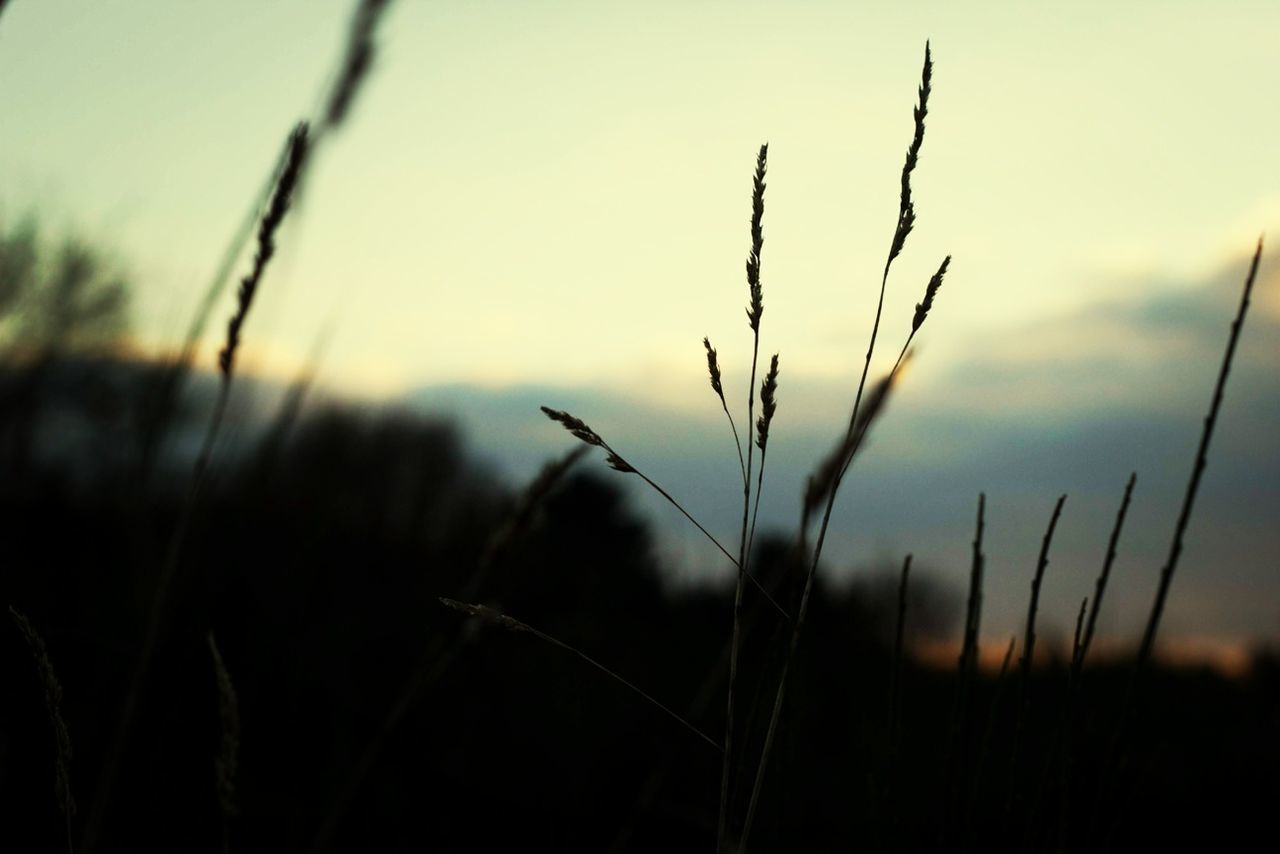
<point x="1124" y="386"/>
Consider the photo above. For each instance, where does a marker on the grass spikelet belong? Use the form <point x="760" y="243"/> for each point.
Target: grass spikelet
<point x="584" y="433"/>
<point x="821" y="485"/>
<point x="713" y="369"/>
<point x="271" y="220"/>
<point x="906" y="205"/>
<point x="768" y="405"/>
<point x="493" y="617"/>
<point x="930" y="291"/>
<point x="756" y="308"/>
<point x="357" y="60"/>
<point x="53" y="705"/>
<point x="227" y="760"/>
<point x="486" y="615"/>
<point x="754" y="312"/>
<point x="576" y="426"/>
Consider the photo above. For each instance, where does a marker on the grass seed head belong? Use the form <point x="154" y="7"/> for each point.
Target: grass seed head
<point x="576" y="426"/>
<point x="485" y="614"/>
<point x="357" y="61"/>
<point x="906" y="207"/>
<point x="756" y="308"/>
<point x="53" y="705"/>
<point x="229" y="747"/>
<point x="713" y="368"/>
<point x="768" y="404"/>
<point x="826" y="477"/>
<point x="931" y="291"/>
<point x="279" y="206"/>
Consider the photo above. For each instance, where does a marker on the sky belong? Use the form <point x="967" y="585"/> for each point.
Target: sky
<point x="548" y="203"/>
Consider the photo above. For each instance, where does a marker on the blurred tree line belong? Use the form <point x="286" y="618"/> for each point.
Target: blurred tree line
<point x="374" y="719"/>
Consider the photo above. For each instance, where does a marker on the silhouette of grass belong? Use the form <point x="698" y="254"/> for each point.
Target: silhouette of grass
<point x="160" y="600"/>
<point x="53" y="706"/>
<point x="962" y="760"/>
<point x="490" y="616"/>
<point x="227" y="760"/>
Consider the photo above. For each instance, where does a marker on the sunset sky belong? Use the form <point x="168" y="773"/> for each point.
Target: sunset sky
<point x="547" y="202"/>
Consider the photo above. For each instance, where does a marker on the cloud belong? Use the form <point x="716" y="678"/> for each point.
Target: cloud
<point x="1068" y="405"/>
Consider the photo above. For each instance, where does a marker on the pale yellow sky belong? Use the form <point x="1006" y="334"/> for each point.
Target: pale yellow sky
<point x="558" y="192"/>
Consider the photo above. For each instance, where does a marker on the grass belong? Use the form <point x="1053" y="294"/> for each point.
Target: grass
<point x="761" y="635"/>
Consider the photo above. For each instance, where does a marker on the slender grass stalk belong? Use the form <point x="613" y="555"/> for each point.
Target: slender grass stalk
<point x="1064" y="759"/>
<point x="53" y="706"/>
<point x="713" y="369"/>
<point x="1077" y="643"/>
<point x="352" y="70"/>
<point x="905" y="223"/>
<point x="228" y="758"/>
<point x="895" y="672"/>
<point x="1042" y="563"/>
<point x="271" y="220"/>
<point x="162" y="397"/>
<point x="653" y="785"/>
<point x="973" y="610"/>
<point x="1100" y="587"/>
<point x="615" y="461"/>
<point x="1197" y="470"/>
<point x="821" y="488"/>
<point x="437" y="657"/>
<point x="768" y="405"/>
<point x="1147" y="646"/>
<point x="755" y="311"/>
<point x="984" y="749"/>
<point x="496" y="618"/>
<point x="906" y="213"/>
<point x="1028" y="655"/>
<point x="965" y="669"/>
<point x="921" y="313"/>
<point x="892" y="726"/>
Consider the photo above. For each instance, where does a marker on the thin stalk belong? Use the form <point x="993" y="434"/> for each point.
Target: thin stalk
<point x="737" y="441"/>
<point x="492" y="617"/>
<point x="984" y="746"/>
<point x="713" y="371"/>
<point x="1147" y="646"/>
<point x="279" y="206"/>
<point x="1068" y="722"/>
<point x="754" y="312"/>
<point x="615" y="461"/>
<point x="895" y="673"/>
<point x="1197" y="470"/>
<point x="895" y="688"/>
<point x="1028" y="653"/>
<point x="1101" y="586"/>
<point x="966" y="665"/>
<point x="848" y="448"/>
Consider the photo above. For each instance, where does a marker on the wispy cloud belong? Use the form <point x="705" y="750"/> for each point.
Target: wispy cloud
<point x="1072" y="404"/>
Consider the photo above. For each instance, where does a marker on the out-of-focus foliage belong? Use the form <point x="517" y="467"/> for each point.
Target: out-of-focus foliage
<point x="55" y="297"/>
